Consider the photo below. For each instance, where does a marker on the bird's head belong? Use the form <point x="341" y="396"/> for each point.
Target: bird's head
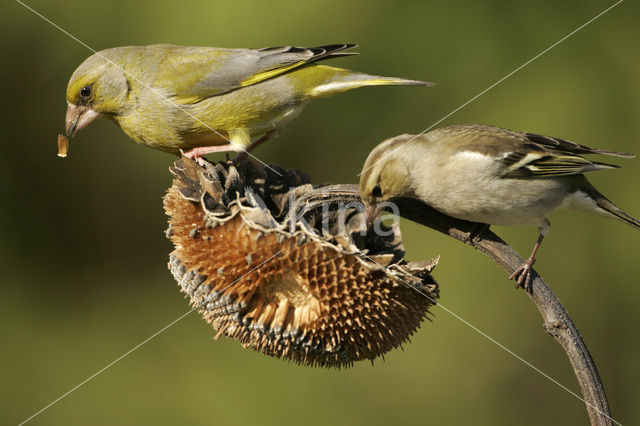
<point x="97" y="87"/>
<point x="385" y="175"/>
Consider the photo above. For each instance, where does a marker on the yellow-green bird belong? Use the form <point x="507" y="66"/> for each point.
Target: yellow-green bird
<point x="206" y="99"/>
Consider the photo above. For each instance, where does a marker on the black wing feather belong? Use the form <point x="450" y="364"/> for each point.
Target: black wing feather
<point x="562" y="145"/>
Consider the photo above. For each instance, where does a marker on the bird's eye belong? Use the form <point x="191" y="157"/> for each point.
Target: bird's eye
<point x="376" y="191"/>
<point x="85" y="92"/>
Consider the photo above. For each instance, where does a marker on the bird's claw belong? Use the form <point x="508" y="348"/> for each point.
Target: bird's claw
<point x="475" y="232"/>
<point x="522" y="275"/>
<point x="191" y="154"/>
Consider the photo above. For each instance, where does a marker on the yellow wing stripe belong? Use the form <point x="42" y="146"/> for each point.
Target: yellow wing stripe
<point x="187" y="100"/>
<point x="257" y="78"/>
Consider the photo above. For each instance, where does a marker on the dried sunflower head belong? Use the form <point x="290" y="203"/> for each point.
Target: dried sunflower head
<point x="290" y="269"/>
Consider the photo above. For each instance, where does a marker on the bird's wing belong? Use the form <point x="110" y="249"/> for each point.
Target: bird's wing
<point x="193" y="74"/>
<point x="561" y="145"/>
<point x="545" y="156"/>
<point x="530" y="156"/>
<point x="533" y="164"/>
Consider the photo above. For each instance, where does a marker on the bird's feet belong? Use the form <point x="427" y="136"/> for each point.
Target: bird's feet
<point x="476" y="231"/>
<point x="522" y="275"/>
<point x="204" y="150"/>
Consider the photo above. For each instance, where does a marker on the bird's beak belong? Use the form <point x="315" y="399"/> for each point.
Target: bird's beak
<point x="78" y="116"/>
<point x="371" y="212"/>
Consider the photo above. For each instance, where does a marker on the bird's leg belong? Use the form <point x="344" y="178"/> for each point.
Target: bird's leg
<point x="522" y="275"/>
<point x="204" y="150"/>
<point x="476" y="231"/>
<point x="242" y="155"/>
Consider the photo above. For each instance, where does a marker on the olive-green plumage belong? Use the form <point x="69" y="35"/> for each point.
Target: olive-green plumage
<point x="176" y="98"/>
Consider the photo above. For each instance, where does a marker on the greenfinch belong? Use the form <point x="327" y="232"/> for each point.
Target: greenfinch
<point x="206" y="99"/>
<point x="488" y="175"/>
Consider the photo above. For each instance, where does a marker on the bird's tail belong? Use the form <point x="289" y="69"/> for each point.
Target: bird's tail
<point x="606" y="208"/>
<point x="331" y="80"/>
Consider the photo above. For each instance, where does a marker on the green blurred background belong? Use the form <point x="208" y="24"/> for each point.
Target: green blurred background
<point x="83" y="252"/>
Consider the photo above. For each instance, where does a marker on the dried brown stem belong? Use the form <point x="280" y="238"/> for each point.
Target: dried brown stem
<point x="557" y="322"/>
